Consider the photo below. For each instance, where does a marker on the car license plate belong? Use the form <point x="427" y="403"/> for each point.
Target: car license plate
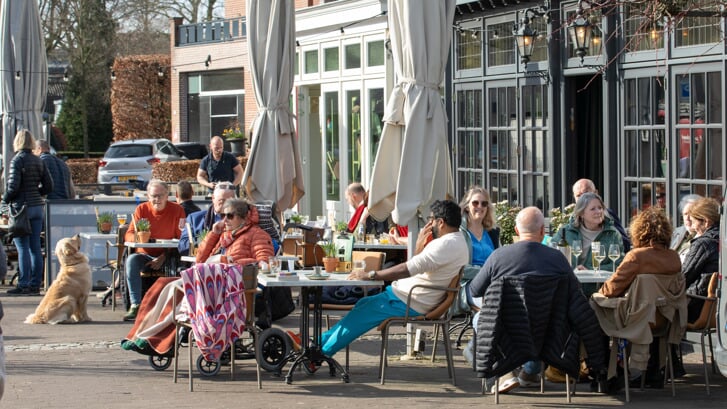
<point x="125" y="178"/>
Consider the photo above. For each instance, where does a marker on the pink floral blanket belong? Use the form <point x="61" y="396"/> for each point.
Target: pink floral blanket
<point x="216" y="302"/>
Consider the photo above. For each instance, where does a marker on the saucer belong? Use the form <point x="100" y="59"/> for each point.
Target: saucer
<point x="313" y="276"/>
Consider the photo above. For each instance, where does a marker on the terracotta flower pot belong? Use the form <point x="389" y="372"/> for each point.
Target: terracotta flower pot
<point x="143" y="236"/>
<point x="105" y="227"/>
<point x="330" y="264"/>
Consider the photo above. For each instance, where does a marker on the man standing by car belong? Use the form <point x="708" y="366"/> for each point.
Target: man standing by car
<point x="62" y="183"/>
<point x="219" y="166"/>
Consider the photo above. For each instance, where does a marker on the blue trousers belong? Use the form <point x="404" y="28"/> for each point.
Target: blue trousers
<point x="368" y="313"/>
<point x="30" y="256"/>
<point x="134" y="265"/>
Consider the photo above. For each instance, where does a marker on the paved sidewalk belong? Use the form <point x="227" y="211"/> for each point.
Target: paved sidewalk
<point x="83" y="366"/>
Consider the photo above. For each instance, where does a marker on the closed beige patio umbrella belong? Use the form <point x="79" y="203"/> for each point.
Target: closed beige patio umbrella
<point x="412" y="167"/>
<point x="274" y="170"/>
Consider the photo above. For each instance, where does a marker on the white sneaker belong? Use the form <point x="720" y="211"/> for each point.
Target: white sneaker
<point x="508" y="382"/>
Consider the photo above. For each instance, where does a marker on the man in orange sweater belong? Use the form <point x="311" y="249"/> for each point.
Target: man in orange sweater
<point x="164" y="218"/>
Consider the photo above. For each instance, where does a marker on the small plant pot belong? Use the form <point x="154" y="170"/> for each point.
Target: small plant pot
<point x="105" y="227"/>
<point x="143" y="236"/>
<point x="330" y="264"/>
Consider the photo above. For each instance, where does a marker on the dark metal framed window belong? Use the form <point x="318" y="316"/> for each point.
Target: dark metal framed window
<point x="699" y="136"/>
<point x="693" y="30"/>
<point x="502" y="143"/>
<point x="535" y="152"/>
<point x="468" y="44"/>
<point x="645" y="145"/>
<point x="470" y="145"/>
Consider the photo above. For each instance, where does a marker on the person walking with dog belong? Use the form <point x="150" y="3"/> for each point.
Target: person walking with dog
<point x="28" y="181"/>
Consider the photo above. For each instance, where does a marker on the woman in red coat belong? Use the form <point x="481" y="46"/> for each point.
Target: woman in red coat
<point x="237" y="238"/>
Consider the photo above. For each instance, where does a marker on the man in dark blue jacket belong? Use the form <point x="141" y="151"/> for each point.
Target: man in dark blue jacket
<point x="62" y="183"/>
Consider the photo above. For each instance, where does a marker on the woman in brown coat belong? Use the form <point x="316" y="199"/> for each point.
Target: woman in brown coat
<point x="237" y="238"/>
<point x="650" y="233"/>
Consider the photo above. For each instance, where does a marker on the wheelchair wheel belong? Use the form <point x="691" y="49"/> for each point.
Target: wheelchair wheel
<point x="208" y="368"/>
<point x="273" y="346"/>
<point x="160" y="362"/>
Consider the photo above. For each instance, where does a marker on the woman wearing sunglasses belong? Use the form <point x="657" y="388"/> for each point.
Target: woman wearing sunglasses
<point x="237" y="238"/>
<point x="478" y="222"/>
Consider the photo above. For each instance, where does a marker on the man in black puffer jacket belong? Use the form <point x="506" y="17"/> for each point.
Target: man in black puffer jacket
<point x="533" y="309"/>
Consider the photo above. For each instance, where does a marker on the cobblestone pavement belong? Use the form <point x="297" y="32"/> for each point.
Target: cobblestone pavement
<point x="82" y="365"/>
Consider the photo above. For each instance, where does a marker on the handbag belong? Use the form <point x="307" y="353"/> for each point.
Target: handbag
<point x="19" y="224"/>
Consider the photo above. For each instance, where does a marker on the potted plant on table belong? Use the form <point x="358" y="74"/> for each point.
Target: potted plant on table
<point x="236" y="137"/>
<point x="330" y="262"/>
<point x="143" y="231"/>
<point x="105" y="221"/>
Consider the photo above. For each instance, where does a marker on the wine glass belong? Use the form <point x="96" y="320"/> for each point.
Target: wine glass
<point x="599" y="255"/>
<point x="577" y="249"/>
<point x="614" y="252"/>
<point x="121" y="218"/>
<point x="595" y="248"/>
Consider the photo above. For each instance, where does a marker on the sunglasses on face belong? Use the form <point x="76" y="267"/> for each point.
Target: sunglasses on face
<point x="477" y="203"/>
<point x="229" y="215"/>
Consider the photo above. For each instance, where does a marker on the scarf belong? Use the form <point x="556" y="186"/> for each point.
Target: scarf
<point x="356" y="218"/>
<point x="229" y="237"/>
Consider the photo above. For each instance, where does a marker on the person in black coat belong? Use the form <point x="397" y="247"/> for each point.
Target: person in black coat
<point x="28" y="181"/>
<point x="703" y="257"/>
<point x="554" y="281"/>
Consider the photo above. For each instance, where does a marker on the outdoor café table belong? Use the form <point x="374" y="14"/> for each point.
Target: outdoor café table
<point x="170" y="261"/>
<point x="312" y="352"/>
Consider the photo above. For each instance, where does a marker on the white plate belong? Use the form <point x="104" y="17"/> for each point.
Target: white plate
<point x="163" y="241"/>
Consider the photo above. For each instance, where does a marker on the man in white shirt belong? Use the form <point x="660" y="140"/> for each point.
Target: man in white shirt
<point x="437" y="264"/>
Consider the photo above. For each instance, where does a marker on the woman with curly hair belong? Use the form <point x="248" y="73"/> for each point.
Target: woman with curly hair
<point x="650" y="233"/>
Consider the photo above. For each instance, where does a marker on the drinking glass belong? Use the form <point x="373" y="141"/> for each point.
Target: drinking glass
<point x="600" y="255"/>
<point x="614" y="252"/>
<point x="576" y="249"/>
<point x="182" y="222"/>
<point x="595" y="249"/>
<point x="274" y="264"/>
<point x="321" y="221"/>
<point x="359" y="266"/>
<point x="121" y="218"/>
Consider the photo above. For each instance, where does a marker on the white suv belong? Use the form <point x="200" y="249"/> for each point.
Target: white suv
<point x="130" y="160"/>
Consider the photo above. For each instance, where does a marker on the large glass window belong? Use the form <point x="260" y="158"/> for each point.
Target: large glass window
<point x="500" y="44"/>
<point x="535" y="160"/>
<point x="470" y="148"/>
<point x="640" y="32"/>
<point x="699" y="30"/>
<point x="645" y="145"/>
<point x="503" y="144"/>
<point x="330" y="103"/>
<point x="468" y="50"/>
<point x="699" y="128"/>
<point x="353" y="108"/>
<point x="214" y="101"/>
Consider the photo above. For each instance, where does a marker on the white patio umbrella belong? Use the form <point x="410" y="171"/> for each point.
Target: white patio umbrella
<point x="274" y="169"/>
<point x="412" y="167"/>
<point x="24" y="78"/>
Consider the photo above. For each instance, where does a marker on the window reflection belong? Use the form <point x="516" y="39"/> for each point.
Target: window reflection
<point x="330" y="104"/>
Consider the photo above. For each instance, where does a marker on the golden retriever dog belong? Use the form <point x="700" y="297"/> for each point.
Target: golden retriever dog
<point x="65" y="300"/>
